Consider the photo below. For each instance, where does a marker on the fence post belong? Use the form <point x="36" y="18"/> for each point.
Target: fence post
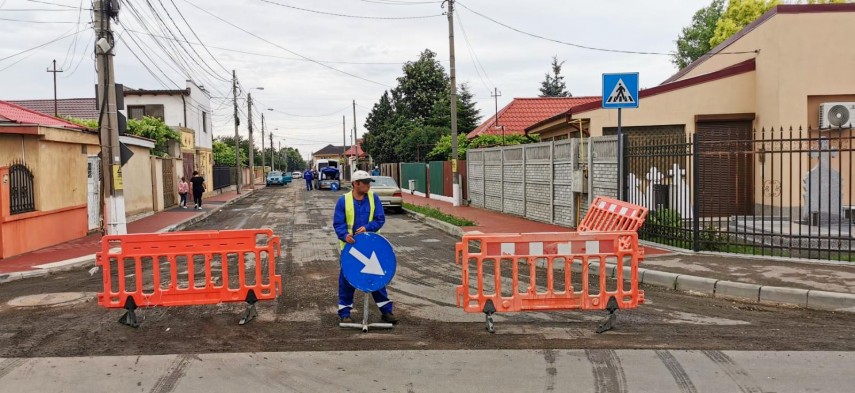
<point x="502" y="177"/>
<point x="552" y="180"/>
<point x="590" y="173"/>
<point x="524" y="158"/>
<point x="696" y="219"/>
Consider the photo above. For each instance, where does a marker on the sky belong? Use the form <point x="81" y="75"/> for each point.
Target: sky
<point x="314" y="58"/>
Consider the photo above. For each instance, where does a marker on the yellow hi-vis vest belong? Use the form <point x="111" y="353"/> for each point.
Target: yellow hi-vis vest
<point x="350" y="212"/>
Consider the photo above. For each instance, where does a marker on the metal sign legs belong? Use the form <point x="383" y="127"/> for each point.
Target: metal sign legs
<point x="365" y="325"/>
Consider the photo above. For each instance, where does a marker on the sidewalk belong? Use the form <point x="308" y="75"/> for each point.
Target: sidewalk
<point x="82" y="250"/>
<point x="826" y="285"/>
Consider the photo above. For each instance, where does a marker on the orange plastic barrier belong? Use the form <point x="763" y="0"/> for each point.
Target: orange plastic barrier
<point x="188" y="268"/>
<point x="548" y="271"/>
<point x="609" y="215"/>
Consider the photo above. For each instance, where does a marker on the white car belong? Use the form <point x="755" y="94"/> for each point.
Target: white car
<point x="297" y="174"/>
<point x="389" y="193"/>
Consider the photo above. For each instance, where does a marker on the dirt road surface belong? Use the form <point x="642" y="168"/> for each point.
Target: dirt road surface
<point x="304" y="319"/>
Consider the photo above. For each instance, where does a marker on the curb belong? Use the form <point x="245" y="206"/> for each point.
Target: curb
<point x="450" y="229"/>
<point x="89" y="260"/>
<point x="756" y="293"/>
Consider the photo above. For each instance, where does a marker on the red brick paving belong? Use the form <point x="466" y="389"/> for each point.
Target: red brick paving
<point x="488" y="221"/>
<point x="91" y="244"/>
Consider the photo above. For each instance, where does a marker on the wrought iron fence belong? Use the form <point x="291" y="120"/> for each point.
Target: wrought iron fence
<point x="22" y="194"/>
<point x="773" y="192"/>
<point x="224" y="176"/>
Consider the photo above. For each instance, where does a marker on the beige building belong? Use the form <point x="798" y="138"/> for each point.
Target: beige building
<point x="46" y="169"/>
<point x="774" y="73"/>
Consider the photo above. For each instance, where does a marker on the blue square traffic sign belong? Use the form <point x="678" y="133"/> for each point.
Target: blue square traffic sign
<point x="620" y="90"/>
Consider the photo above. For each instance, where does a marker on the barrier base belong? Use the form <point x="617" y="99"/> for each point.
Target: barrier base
<point x="130" y="319"/>
<point x="489" y="310"/>
<point x="364" y="326"/>
<point x="609" y="322"/>
<point x="249" y="314"/>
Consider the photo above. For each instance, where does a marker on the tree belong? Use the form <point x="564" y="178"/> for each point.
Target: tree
<point x="694" y="41"/>
<point x="442" y="149"/>
<point x="244" y="148"/>
<point x="147" y="127"/>
<point x="224" y="154"/>
<point x="739" y="13"/>
<point x="468" y="115"/>
<point x="554" y="85"/>
<point x="424" y="81"/>
<point x="418" y="141"/>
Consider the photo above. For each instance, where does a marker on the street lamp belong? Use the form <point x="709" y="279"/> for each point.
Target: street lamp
<point x="251" y="143"/>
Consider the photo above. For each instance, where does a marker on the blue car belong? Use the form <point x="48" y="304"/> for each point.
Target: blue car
<point x="278" y="178"/>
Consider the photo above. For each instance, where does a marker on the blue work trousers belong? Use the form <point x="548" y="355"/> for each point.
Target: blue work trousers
<point x="345" y="297"/>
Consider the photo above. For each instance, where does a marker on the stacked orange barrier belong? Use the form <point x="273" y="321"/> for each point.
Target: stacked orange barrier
<point x="608" y="235"/>
<point x="142" y="270"/>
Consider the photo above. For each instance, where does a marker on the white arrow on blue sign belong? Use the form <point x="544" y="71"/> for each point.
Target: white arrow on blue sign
<point x="620" y="90"/>
<point x="369" y="263"/>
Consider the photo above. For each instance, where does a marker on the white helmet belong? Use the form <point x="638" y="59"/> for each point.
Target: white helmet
<point x="361" y="175"/>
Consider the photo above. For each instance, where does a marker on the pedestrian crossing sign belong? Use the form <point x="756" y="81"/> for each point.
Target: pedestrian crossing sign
<point x="620" y="90"/>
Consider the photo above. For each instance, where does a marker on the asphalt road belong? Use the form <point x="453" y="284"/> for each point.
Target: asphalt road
<point x="671" y="325"/>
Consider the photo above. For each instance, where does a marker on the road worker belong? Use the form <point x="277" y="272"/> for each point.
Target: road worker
<point x="357" y="212"/>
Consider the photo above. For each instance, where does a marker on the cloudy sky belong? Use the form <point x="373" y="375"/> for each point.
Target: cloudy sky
<point x="312" y="64"/>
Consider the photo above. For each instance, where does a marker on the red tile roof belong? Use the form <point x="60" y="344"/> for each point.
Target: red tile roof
<point x="524" y="112"/>
<point x="80" y="108"/>
<point x="17" y="114"/>
<point x="349" y="151"/>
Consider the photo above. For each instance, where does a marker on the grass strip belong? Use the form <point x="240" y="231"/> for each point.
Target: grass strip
<point x="437" y="214"/>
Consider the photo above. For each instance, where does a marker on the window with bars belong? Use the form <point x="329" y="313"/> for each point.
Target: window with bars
<point x="22" y="195"/>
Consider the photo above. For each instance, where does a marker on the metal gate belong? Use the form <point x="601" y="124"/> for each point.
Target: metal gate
<point x="169" y="184"/>
<point x="725" y="165"/>
<point x="189" y="165"/>
<point x="22" y="197"/>
<point x="93" y="191"/>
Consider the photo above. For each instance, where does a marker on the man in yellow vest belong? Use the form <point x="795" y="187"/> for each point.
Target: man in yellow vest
<point x="356" y="212"/>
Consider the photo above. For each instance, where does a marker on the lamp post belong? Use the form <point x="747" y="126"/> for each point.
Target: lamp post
<point x="251" y="143"/>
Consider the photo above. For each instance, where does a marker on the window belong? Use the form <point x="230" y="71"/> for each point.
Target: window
<point x="205" y="121"/>
<point x="140" y="111"/>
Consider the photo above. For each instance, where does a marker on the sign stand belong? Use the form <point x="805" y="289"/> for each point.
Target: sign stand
<point x="365" y="325"/>
<point x="368" y="264"/>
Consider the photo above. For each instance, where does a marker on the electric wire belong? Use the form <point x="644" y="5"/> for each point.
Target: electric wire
<point x="351" y="16"/>
<point x="285" y="49"/>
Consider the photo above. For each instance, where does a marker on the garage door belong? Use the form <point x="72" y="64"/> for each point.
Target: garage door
<point x="725" y="165"/>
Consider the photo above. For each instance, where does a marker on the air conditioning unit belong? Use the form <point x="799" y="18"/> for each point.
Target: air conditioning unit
<point x="836" y="115"/>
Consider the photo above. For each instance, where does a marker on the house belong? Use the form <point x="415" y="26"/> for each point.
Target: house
<point x="330" y="152"/>
<point x="50" y="185"/>
<point x="78" y="108"/>
<point x="772" y="75"/>
<point x="187" y="110"/>
<point x="521" y="113"/>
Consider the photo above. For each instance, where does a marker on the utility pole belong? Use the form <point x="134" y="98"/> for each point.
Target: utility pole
<point x="355" y="139"/>
<point x="55" y="106"/>
<point x="496" y="96"/>
<point x="111" y="162"/>
<point x="237" y="136"/>
<point x="280" y="149"/>
<point x="455" y="181"/>
<point x="272" y="161"/>
<point x="263" y="164"/>
<point x="251" y="145"/>
<point x="344" y="145"/>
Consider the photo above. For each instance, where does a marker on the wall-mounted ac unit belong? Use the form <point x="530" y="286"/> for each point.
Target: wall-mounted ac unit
<point x="836" y="115"/>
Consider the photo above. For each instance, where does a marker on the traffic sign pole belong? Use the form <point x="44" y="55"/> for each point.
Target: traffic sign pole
<point x="619" y="155"/>
<point x="368" y="264"/>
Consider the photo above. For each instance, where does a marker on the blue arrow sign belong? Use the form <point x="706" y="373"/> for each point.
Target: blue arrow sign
<point x="369" y="263"/>
<point x="620" y="90"/>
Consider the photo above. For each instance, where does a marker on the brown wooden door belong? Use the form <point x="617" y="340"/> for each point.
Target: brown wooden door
<point x="726" y="171"/>
<point x="169" y="183"/>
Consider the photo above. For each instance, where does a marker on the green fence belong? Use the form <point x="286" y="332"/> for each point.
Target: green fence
<point x="436" y="178"/>
<point x="414" y="171"/>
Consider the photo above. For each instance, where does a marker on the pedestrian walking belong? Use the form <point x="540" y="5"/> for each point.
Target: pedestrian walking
<point x="198" y="189"/>
<point x="183" y="189"/>
<point x="357" y="212"/>
<point x="307" y="175"/>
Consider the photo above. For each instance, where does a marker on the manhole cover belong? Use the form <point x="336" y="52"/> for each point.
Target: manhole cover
<point x="52" y="299"/>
